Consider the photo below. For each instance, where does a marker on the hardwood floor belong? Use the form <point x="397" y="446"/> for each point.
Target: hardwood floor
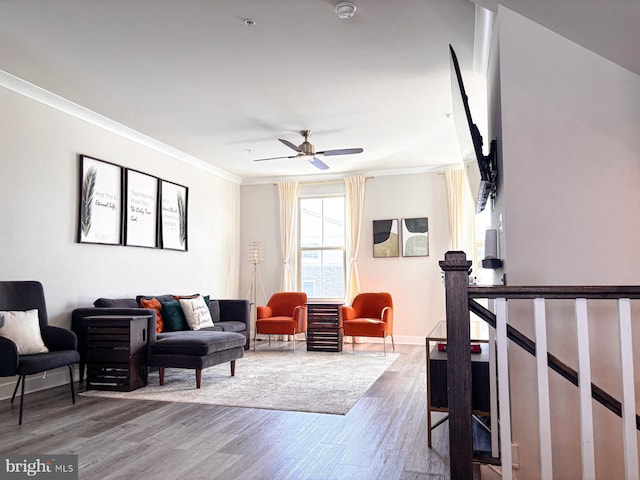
<point x="382" y="437"/>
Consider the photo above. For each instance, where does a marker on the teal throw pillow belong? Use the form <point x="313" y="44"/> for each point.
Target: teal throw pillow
<point x="173" y="316"/>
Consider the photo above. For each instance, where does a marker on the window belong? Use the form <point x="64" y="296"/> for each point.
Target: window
<point x="321" y="250"/>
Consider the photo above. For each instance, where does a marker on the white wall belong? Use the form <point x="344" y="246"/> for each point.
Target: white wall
<point x="414" y="283"/>
<point x="39" y="149"/>
<point x="569" y="199"/>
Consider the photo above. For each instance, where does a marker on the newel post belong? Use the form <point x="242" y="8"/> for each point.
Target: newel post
<point x="456" y="278"/>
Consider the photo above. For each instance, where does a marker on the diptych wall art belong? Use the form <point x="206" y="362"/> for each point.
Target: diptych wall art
<point x="100" y="202"/>
<point x="385" y="238"/>
<point x="415" y="237"/>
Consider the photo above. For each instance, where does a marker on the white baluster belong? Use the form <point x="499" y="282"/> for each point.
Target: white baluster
<point x="584" y="382"/>
<point x="503" y="388"/>
<point x="629" y="434"/>
<point x="544" y="425"/>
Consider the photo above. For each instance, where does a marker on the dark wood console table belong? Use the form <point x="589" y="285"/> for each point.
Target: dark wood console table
<point x="437" y="378"/>
<point x="324" y="327"/>
<point x="116" y="352"/>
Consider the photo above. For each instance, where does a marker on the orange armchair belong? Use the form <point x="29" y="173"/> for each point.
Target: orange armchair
<point x="370" y="315"/>
<point x="284" y="314"/>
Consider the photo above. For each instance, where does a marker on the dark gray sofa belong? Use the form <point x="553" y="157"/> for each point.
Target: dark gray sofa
<point x="234" y="316"/>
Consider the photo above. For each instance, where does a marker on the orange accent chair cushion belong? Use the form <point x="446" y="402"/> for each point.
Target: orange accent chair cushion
<point x="284" y="314"/>
<point x="370" y="315"/>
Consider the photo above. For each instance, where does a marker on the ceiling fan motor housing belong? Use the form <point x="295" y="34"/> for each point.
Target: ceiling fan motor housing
<point x="307" y="148"/>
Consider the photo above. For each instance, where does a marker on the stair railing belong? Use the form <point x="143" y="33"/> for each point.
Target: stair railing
<point x="461" y="300"/>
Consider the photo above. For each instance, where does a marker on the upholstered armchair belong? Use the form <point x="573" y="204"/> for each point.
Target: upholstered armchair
<point x="370" y="315"/>
<point x="28" y="344"/>
<point x="284" y="314"/>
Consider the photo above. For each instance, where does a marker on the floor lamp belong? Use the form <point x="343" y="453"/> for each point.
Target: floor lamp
<point x="255" y="255"/>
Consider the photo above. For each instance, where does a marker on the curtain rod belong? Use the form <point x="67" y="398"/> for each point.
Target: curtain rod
<point x="319" y="182"/>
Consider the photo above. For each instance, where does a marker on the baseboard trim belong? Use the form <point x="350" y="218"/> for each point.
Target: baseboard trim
<point x="34" y="383"/>
<point x="398" y="339"/>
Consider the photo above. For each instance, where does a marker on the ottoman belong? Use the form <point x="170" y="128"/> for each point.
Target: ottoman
<point x="196" y="349"/>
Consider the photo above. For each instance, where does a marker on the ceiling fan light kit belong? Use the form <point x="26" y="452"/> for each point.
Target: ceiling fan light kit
<point x="345" y="9"/>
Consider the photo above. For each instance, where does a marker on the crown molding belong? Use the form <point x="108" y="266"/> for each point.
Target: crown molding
<point x="29" y="90"/>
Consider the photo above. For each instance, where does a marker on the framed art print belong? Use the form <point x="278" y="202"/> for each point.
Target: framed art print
<point x="141" y="217"/>
<point x="385" y="238"/>
<point x="415" y="237"/>
<point x="173" y="215"/>
<point x="100" y="202"/>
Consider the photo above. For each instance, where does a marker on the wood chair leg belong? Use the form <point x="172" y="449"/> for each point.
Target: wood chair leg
<point x="384" y="345"/>
<point x="73" y="393"/>
<point x="198" y="377"/>
<point x="161" y="375"/>
<point x="393" y="345"/>
<point x="233" y="368"/>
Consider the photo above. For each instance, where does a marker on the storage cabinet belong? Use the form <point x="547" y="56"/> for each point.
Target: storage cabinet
<point x="324" y="328"/>
<point x="117" y="352"/>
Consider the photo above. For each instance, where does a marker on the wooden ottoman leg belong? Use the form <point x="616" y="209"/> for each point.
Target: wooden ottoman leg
<point x="233" y="368"/>
<point x="161" y="375"/>
<point x="198" y="378"/>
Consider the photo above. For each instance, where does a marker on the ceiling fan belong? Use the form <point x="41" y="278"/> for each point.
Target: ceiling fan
<point x="307" y="152"/>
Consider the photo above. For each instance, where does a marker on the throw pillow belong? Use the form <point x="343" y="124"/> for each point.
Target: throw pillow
<point x="178" y="297"/>
<point x="23" y="329"/>
<point x="154" y="304"/>
<point x="173" y="317"/>
<point x="196" y="312"/>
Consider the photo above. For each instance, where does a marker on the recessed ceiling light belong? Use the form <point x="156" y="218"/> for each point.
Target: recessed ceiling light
<point x="249" y="22"/>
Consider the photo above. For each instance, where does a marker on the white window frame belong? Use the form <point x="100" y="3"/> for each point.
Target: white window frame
<point x="302" y="249"/>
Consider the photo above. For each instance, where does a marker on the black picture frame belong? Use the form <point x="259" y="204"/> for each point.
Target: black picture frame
<point x="141" y="209"/>
<point x="386" y="239"/>
<point x="99" y="201"/>
<point x="415" y="237"/>
<point x="174" y="207"/>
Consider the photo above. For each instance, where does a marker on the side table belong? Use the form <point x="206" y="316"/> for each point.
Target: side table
<point x="116" y="352"/>
<point x="437" y="393"/>
<point x="324" y="327"/>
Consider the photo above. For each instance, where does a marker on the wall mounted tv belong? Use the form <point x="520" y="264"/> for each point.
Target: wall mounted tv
<point x="481" y="169"/>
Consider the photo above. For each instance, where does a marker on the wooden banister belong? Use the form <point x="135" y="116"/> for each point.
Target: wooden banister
<point x="460" y="301"/>
<point x="456" y="278"/>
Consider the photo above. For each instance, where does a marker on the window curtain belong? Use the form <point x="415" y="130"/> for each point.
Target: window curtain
<point x="287" y="194"/>
<point x="355" y="187"/>
<point x="455" y="198"/>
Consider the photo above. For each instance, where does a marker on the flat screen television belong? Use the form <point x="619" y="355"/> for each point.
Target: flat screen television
<point x="481" y="169"/>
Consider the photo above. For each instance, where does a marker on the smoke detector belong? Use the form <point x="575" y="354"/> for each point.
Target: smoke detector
<point x="345" y="9"/>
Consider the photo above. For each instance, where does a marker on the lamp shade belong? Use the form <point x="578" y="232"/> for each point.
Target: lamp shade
<point x="255" y="252"/>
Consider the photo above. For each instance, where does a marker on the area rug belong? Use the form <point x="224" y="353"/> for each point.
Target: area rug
<point x="319" y="382"/>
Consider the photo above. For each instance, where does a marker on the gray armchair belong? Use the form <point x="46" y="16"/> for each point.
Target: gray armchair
<point x="61" y="343"/>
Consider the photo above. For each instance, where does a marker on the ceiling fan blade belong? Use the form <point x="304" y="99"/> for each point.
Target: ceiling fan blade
<point x="341" y="151"/>
<point x="273" y="158"/>
<point x="316" y="162"/>
<point x="290" y="145"/>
